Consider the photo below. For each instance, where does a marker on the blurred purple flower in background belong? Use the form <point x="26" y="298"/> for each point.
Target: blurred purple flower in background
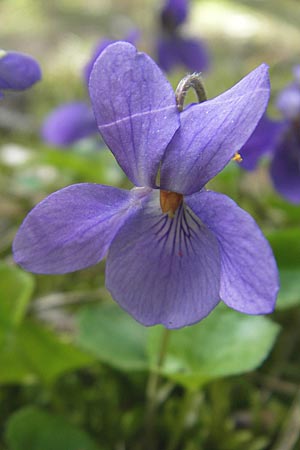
<point x="174" y="248"/>
<point x="73" y="121"/>
<point x="288" y="100"/>
<point x="69" y="123"/>
<point x="280" y="139"/>
<point x="262" y="142"/>
<point x="175" y="50"/>
<point x="17" y="71"/>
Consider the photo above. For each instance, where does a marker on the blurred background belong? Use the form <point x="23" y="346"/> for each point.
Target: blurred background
<point x="74" y="369"/>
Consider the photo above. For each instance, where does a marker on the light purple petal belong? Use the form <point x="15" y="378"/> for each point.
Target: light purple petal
<point x="173" y="14"/>
<point x="288" y="101"/>
<point x="285" y="166"/>
<point x="249" y="276"/>
<point x="102" y="44"/>
<point x="212" y="132"/>
<point x="69" y="123"/>
<point x="261" y="142"/>
<point x="135" y="110"/>
<point x="18" y="71"/>
<point x="174" y="51"/>
<point x="164" y="270"/>
<point x="73" y="228"/>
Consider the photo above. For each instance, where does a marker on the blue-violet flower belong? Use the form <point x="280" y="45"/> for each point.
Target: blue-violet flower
<point x="17" y="71"/>
<point x="174" y="248"/>
<point x="281" y="140"/>
<point x="173" y="49"/>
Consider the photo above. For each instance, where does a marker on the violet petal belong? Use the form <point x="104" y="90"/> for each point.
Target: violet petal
<point x="135" y="110"/>
<point x="102" y="44"/>
<point x="212" y="132"/>
<point x="249" y="276"/>
<point x="164" y="270"/>
<point x="73" y="228"/>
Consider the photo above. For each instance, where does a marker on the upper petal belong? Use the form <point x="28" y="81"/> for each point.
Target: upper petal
<point x="164" y="270"/>
<point x="285" y="166"/>
<point x="69" y="123"/>
<point x="135" y="110"/>
<point x="261" y="142"/>
<point x="102" y="44"/>
<point x="73" y="228"/>
<point x="18" y="71"/>
<point x="249" y="275"/>
<point x="212" y="132"/>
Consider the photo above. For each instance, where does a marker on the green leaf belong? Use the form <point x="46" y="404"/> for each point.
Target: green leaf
<point x="34" y="429"/>
<point x="113" y="336"/>
<point x="289" y="293"/>
<point x="286" y="247"/>
<point x="16" y="288"/>
<point x="225" y="343"/>
<point x="13" y="369"/>
<point x="32" y="351"/>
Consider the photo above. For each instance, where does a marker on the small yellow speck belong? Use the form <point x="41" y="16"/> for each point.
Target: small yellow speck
<point x="237" y="157"/>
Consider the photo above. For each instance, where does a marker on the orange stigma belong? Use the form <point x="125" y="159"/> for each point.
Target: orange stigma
<point x="237" y="157"/>
<point x="170" y="202"/>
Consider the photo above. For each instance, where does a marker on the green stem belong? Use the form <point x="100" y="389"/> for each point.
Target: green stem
<point x="152" y="390"/>
<point x="181" y="423"/>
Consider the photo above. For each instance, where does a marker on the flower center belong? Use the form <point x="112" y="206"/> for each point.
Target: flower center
<point x="169" y="202"/>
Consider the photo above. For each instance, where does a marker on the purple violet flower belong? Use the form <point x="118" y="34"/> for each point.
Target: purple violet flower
<point x="17" y="71"/>
<point x="173" y="49"/>
<point x="173" y="14"/>
<point x="73" y="121"/>
<point x="280" y="139"/>
<point x="69" y="123"/>
<point x="174" y="249"/>
<point x="261" y="142"/>
<point x="285" y="164"/>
